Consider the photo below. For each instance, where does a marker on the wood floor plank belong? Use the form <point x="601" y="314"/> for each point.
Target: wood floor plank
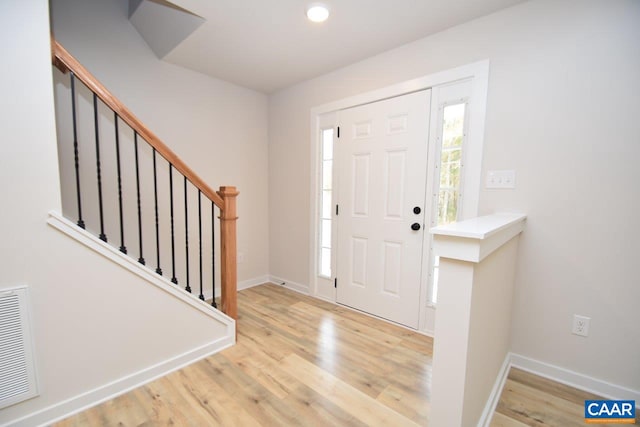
<point x="372" y="321"/>
<point x="352" y="350"/>
<point x="278" y="317"/>
<point x="366" y="334"/>
<point x="551" y="387"/>
<point x="261" y="338"/>
<point x="223" y="408"/>
<point x="85" y="418"/>
<point x="406" y="403"/>
<point x="501" y="420"/>
<point x="193" y="398"/>
<point x="342" y="394"/>
<point x="418" y="342"/>
<point x="168" y="407"/>
<point x="540" y="409"/>
<point x="317" y="410"/>
<point x="348" y="370"/>
<point x="251" y="396"/>
<point x="264" y="370"/>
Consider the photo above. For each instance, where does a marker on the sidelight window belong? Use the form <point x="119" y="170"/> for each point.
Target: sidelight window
<point x="450" y="170"/>
<point x="326" y="204"/>
<point x="450" y="163"/>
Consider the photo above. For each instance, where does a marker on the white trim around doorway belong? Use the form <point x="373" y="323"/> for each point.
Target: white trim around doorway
<point x="478" y="73"/>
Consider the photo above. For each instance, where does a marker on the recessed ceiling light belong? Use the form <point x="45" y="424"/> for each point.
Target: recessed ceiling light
<point x="317" y="12"/>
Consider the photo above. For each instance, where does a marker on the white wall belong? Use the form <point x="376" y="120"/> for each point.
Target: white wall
<point x="218" y="129"/>
<point x="562" y="111"/>
<point x="93" y="322"/>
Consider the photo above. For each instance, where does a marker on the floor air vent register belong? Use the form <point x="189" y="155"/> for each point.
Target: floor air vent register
<point x="17" y="368"/>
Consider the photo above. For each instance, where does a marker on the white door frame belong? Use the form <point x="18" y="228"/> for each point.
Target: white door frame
<point x="478" y="72"/>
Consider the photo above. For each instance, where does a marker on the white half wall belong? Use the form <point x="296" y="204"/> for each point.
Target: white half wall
<point x="473" y="322"/>
<point x="562" y="112"/>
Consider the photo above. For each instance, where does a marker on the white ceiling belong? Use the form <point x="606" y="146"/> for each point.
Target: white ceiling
<point x="268" y="45"/>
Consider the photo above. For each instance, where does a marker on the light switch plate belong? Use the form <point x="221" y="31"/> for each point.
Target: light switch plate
<point x="501" y="179"/>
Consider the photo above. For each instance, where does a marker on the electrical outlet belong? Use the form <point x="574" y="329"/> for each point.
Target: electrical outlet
<point x="580" y="325"/>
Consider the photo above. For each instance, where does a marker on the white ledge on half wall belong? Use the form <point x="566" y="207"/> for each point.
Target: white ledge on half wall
<point x="474" y="239"/>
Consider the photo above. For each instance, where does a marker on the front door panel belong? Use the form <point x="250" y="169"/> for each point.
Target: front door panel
<point x="381" y="160"/>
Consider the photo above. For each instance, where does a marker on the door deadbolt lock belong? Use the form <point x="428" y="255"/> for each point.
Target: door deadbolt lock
<point x="415" y="226"/>
<point x="417" y="210"/>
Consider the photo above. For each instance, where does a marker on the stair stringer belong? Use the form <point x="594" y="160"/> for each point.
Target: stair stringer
<point x="61" y="223"/>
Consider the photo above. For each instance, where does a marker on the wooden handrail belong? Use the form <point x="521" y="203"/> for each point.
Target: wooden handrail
<point x="64" y="61"/>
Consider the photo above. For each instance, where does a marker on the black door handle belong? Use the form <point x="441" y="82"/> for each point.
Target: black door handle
<point x="415" y="226"/>
<point x="417" y="210"/>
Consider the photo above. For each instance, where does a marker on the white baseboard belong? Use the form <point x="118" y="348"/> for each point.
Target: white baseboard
<point x="323" y="298"/>
<point x="120" y="386"/>
<point x="496" y="391"/>
<point x="574" y="379"/>
<point x="246" y="284"/>
<point x="303" y="289"/>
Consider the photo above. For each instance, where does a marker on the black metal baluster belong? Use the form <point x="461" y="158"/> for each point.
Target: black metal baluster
<point x="186" y="234"/>
<point x="102" y="236"/>
<point x="173" y="241"/>
<point x="201" y="296"/>
<point x="123" y="248"/>
<point x="135" y="145"/>
<point x="155" y="196"/>
<point x="76" y="156"/>
<point x="213" y="256"/>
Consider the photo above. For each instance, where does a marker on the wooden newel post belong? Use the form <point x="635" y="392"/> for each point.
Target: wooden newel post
<point x="228" y="252"/>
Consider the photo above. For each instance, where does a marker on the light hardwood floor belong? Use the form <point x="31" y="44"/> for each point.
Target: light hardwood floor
<point x="298" y="361"/>
<point x="302" y="361"/>
<point x="530" y="400"/>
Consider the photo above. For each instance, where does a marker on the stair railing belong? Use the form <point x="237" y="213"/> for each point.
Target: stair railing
<point x="224" y="199"/>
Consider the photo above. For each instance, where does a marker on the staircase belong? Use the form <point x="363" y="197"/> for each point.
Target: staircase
<point x="121" y="183"/>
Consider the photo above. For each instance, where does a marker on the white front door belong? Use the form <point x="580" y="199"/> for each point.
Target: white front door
<point x="381" y="167"/>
